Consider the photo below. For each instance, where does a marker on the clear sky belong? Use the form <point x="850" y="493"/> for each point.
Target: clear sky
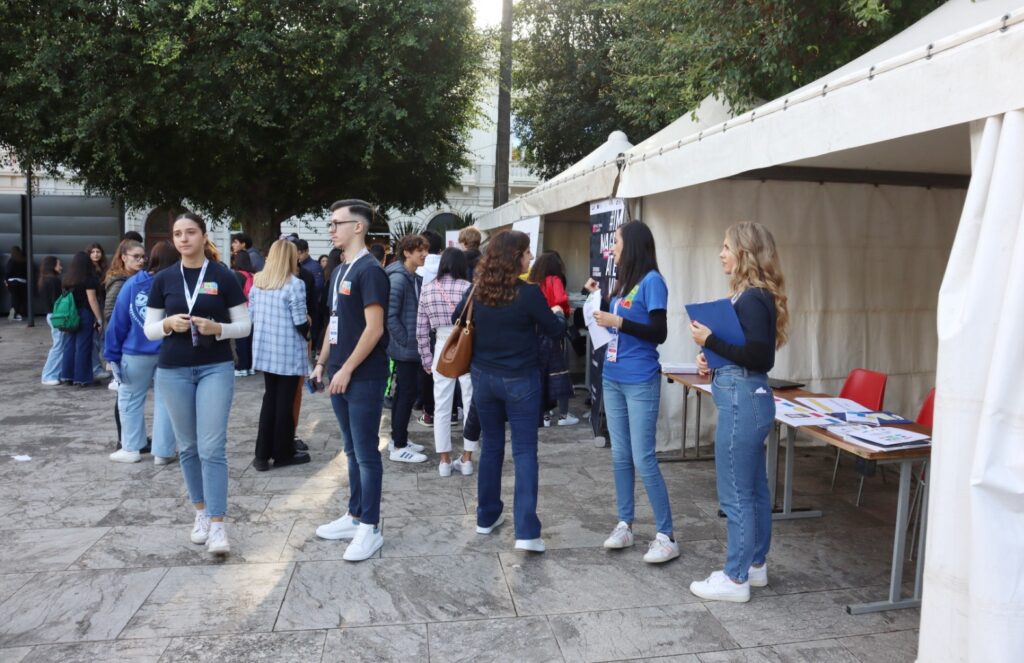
<point x="488" y="12"/>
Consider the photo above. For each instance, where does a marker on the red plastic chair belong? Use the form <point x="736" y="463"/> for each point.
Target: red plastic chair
<point x="867" y="388"/>
<point x="926" y="415"/>
<point x="924" y="418"/>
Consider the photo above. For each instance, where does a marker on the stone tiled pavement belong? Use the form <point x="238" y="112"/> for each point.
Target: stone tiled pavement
<point x="95" y="562"/>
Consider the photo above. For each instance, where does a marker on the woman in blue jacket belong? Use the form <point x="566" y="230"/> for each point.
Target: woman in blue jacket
<point x="133" y="359"/>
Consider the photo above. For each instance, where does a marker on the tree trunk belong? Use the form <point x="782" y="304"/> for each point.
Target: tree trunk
<point x="260" y="225"/>
<point x="501" y="152"/>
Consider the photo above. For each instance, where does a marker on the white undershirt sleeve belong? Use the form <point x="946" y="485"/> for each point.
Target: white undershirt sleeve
<point x="240" y="324"/>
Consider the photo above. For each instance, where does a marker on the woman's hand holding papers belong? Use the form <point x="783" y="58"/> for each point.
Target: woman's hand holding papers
<point x="699" y="332"/>
<point x="702" y="365"/>
<point x="609" y="320"/>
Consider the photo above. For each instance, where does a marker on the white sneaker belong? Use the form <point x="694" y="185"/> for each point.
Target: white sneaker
<point x="463" y="466"/>
<point x="621" y="537"/>
<point x="241" y="374"/>
<point x="444" y="469"/>
<point x="662" y="549"/>
<point x="568" y="420"/>
<point x="410" y="445"/>
<point x="217" y="542"/>
<point x="113" y="385"/>
<point x="406" y="455"/>
<point x="718" y="587"/>
<point x="125" y="456"/>
<point x="201" y="528"/>
<point x="547" y="421"/>
<point x="251" y="372"/>
<point x="102" y="375"/>
<point x="51" y="383"/>
<point x="364" y="544"/>
<point x="337" y="530"/>
<point x="758" y="577"/>
<point x="487" y="530"/>
<point x="164" y="460"/>
<point x="531" y="545"/>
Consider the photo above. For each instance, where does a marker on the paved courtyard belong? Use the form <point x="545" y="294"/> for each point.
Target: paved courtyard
<point x="96" y="565"/>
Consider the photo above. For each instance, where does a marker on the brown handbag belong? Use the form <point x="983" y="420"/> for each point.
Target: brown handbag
<point x="458" y="348"/>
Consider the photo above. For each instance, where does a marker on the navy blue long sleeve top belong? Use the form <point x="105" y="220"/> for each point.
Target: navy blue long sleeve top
<point x="755" y="308"/>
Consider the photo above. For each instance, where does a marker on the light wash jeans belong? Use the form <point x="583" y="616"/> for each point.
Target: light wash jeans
<point x="632" y="412"/>
<point x="51" y="369"/>
<point x="444" y="396"/>
<point x="137" y="373"/>
<point x="746" y="410"/>
<point x="198" y="401"/>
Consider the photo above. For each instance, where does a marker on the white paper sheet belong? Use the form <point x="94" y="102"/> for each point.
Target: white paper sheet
<point x="679" y="368"/>
<point x="599" y="336"/>
<point x="830" y="405"/>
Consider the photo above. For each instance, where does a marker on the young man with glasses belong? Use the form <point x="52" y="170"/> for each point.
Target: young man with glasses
<point x="354" y="354"/>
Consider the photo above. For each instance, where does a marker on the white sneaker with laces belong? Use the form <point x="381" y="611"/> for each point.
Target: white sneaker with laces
<point x="51" y="383"/>
<point x="662" y="549"/>
<point x="547" y="421"/>
<point x="621" y="537"/>
<point x="201" y="528"/>
<point x="568" y="420"/>
<point x="241" y="373"/>
<point x="463" y="466"/>
<point x="217" y="542"/>
<point x="406" y="455"/>
<point x="719" y="587"/>
<point x="365" y="543"/>
<point x="337" y="530"/>
<point x="487" y="530"/>
<point x="125" y="456"/>
<point x="412" y="446"/>
<point x="164" y="460"/>
<point x="758" y="577"/>
<point x="530" y="545"/>
<point x="444" y="469"/>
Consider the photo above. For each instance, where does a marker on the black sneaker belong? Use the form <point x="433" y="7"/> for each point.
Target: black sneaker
<point x="300" y="445"/>
<point x="300" y="458"/>
<point x="260" y="464"/>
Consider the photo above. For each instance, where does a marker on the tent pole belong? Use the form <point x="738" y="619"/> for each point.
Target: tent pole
<point x="29" y="252"/>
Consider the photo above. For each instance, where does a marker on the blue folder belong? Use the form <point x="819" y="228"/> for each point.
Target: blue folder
<point x="720" y="317"/>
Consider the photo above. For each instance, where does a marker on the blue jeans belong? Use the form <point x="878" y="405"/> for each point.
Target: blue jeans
<point x="517" y="399"/>
<point x="632" y="412"/>
<point x="746" y="410"/>
<point x="358" y="411"/>
<point x="76" y="364"/>
<point x="137" y="373"/>
<point x="51" y="369"/>
<point x="198" y="401"/>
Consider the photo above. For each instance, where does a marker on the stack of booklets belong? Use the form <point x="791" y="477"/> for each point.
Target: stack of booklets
<point x="678" y="368"/>
<point x="880" y="437"/>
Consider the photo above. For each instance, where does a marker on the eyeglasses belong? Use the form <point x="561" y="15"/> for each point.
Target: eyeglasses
<point x="137" y="256"/>
<point x="333" y="225"/>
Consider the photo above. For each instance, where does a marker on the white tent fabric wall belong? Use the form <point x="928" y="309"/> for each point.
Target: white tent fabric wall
<point x="863" y="265"/>
<point x="974" y="578"/>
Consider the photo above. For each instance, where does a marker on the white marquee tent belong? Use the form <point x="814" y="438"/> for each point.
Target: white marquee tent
<point x="895" y="189"/>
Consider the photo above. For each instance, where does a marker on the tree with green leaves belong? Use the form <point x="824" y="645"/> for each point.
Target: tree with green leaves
<point x="256" y="111"/>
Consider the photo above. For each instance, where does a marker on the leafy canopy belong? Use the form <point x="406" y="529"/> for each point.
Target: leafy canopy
<point x="256" y="109"/>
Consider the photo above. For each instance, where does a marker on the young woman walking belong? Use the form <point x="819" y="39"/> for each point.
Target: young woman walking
<point x="746" y="408"/>
<point x="277" y="303"/>
<point x="49" y="289"/>
<point x="81" y="280"/>
<point x="508" y="313"/>
<point x="437" y="303"/>
<point x="548" y="273"/>
<point x="196" y="306"/>
<point x="632" y="385"/>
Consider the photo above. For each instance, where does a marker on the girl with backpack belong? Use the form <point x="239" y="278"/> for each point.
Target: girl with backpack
<point x="241" y="264"/>
<point x="548" y="273"/>
<point x="49" y="289"/>
<point x="83" y="284"/>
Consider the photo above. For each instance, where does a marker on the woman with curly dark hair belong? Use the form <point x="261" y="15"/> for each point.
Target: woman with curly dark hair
<point x="508" y="314"/>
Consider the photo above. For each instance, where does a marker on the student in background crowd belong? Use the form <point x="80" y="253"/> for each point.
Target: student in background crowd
<point x="49" y="290"/>
<point x="99" y="264"/>
<point x="17" y="283"/>
<point x="277" y="302"/>
<point x="242" y="267"/>
<point x="133" y="235"/>
<point x="242" y="242"/>
<point x="355" y="355"/>
<point x="469" y="240"/>
<point x="129" y="258"/>
<point x="322" y="261"/>
<point x="746" y="408"/>
<point x="402" y="306"/>
<point x="196" y="306"/>
<point x="548" y="273"/>
<point x="507" y="315"/>
<point x="427" y="273"/>
<point x="313" y="269"/>
<point x="134" y="357"/>
<point x="437" y="303"/>
<point x="309" y="283"/>
<point x="379" y="253"/>
<point x="632" y="384"/>
<point x="83" y="282"/>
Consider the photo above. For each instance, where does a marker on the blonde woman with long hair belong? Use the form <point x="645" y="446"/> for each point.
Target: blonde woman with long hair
<point x="746" y="408"/>
<point x="277" y="303"/>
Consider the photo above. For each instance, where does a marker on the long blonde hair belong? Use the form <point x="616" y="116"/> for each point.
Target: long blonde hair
<point x="282" y="262"/>
<point x="757" y="266"/>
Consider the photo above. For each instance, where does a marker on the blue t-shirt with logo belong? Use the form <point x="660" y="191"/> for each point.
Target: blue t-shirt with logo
<point x="364" y="285"/>
<point x="637" y="360"/>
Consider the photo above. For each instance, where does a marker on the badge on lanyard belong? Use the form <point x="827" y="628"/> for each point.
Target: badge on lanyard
<point x="345" y="287"/>
<point x="611" y="353"/>
<point x="191" y="297"/>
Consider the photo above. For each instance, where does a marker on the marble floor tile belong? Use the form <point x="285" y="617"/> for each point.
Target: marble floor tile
<point x="116" y="651"/>
<point x="318" y="507"/>
<point x="441" y="535"/>
<point x="394" y="591"/>
<point x="304" y="545"/>
<point x="45" y="549"/>
<point x="422" y="503"/>
<point x="311" y="484"/>
<point x="504" y="640"/>
<point x="72" y="513"/>
<point x="125" y="547"/>
<point x="639" y="632"/>
<point x="769" y="620"/>
<point x="72" y="606"/>
<point x="817" y="651"/>
<point x="15" y="654"/>
<point x="372" y="644"/>
<point x="212" y="599"/>
<point x="298" y="647"/>
<point x="565" y="581"/>
<point x="896" y="647"/>
<point x="12" y="582"/>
